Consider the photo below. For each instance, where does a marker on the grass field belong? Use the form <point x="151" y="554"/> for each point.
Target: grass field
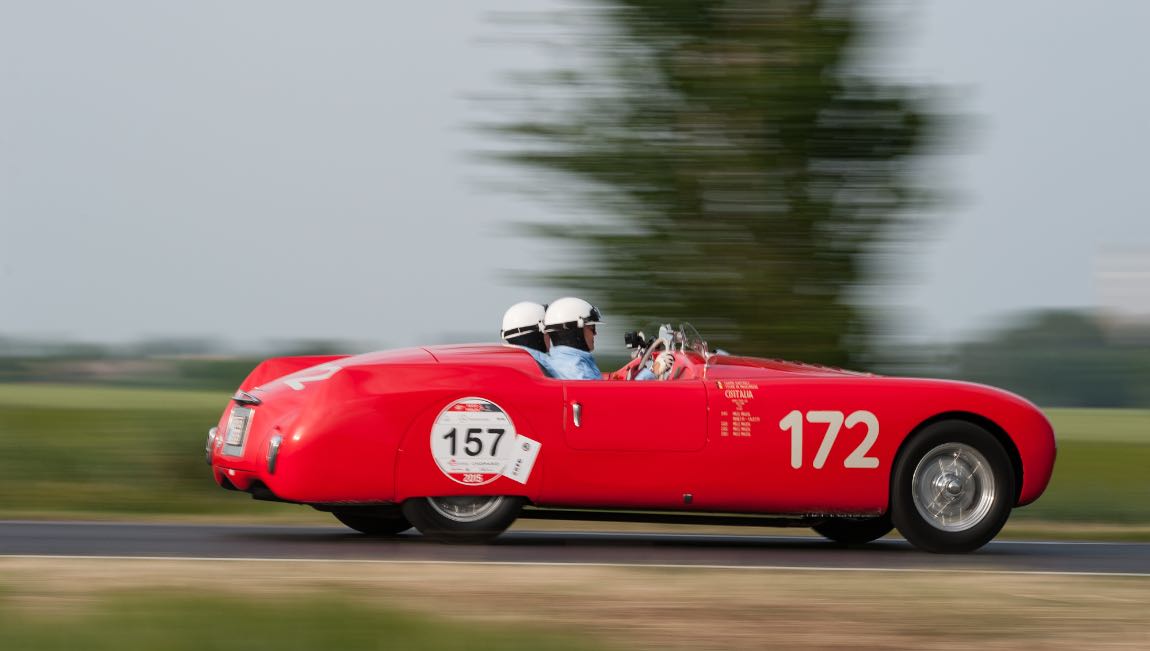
<point x="1102" y="473"/>
<point x="167" y="620"/>
<point x="85" y="451"/>
<point x="110" y="450"/>
<point x="160" y="604"/>
<point x="1101" y="425"/>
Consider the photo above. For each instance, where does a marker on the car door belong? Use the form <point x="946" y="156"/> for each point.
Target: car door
<point x="648" y="416"/>
<point x="629" y="445"/>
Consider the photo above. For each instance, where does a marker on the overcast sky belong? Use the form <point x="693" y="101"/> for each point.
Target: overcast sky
<point x="276" y="170"/>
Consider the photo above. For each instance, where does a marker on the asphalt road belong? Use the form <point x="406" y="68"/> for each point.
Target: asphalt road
<point x="525" y="547"/>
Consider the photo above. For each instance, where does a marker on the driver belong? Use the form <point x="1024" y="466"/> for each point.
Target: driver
<point x="523" y="327"/>
<point x="570" y="322"/>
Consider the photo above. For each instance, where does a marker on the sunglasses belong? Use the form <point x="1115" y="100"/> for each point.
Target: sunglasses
<point x="592" y="326"/>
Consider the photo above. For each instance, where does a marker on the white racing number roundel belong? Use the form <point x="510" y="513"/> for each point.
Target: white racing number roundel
<point x="474" y="442"/>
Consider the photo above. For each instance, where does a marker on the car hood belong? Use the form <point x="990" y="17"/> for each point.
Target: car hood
<point x="721" y="366"/>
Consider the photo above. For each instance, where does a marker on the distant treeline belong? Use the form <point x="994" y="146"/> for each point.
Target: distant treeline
<point x="1062" y="358"/>
<point x="205" y="374"/>
<point x="1053" y="358"/>
<point x="173" y="364"/>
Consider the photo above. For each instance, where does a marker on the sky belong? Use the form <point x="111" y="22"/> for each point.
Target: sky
<point x="262" y="170"/>
<point x="1050" y="183"/>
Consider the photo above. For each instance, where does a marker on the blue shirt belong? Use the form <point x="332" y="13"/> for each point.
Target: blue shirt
<point x="574" y="364"/>
<point x="543" y="360"/>
<point x="645" y="374"/>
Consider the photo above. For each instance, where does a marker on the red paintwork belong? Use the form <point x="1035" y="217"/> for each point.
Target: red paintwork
<point x="363" y="434"/>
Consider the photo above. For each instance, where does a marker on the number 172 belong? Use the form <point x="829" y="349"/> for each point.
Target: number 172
<point x="834" y="420"/>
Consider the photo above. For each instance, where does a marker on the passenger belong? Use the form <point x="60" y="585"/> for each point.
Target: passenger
<point x="570" y="323"/>
<point x="523" y="327"/>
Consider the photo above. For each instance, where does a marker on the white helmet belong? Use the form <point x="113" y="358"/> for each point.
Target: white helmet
<point x="522" y="318"/>
<point x="570" y="312"/>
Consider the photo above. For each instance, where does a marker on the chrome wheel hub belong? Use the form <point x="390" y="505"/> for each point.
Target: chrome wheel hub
<point x="953" y="487"/>
<point x="465" y="508"/>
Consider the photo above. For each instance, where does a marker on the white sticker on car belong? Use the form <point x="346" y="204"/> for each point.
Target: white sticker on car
<point x="474" y="442"/>
<point x="524" y="460"/>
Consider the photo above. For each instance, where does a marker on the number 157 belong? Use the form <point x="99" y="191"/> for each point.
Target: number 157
<point x="473" y="445"/>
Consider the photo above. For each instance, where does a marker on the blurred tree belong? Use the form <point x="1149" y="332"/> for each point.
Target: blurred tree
<point x="741" y="166"/>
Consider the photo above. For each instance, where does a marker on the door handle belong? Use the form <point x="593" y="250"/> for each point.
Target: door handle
<point x="577" y="413"/>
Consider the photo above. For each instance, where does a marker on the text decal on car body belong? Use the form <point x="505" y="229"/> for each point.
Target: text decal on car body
<point x="474" y="442"/>
<point x="736" y="419"/>
<point x="834" y="420"/>
<point x="314" y="374"/>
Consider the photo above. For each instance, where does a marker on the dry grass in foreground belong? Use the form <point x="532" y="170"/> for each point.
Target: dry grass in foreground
<point x="654" y="608"/>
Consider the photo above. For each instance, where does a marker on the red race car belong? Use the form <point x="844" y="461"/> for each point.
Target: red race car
<point x="459" y="441"/>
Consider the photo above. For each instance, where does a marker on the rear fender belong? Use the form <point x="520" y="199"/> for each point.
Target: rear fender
<point x="533" y="407"/>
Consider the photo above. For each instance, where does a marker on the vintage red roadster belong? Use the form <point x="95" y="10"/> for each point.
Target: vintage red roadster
<point x="459" y="441"/>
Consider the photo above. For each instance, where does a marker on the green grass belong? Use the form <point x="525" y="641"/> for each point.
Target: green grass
<point x="1102" y="473"/>
<point x="1096" y="482"/>
<point x="93" y="450"/>
<point x="1100" y="425"/>
<point x="82" y="449"/>
<point x="163" y="622"/>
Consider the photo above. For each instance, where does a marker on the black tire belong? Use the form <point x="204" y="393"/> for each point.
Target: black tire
<point x="465" y="519"/>
<point x="373" y="521"/>
<point x="854" y="531"/>
<point x="964" y="492"/>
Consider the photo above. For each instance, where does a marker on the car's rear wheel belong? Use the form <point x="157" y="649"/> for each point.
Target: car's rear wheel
<point x="854" y="531"/>
<point x="373" y="521"/>
<point x="462" y="518"/>
<point x="952" y="489"/>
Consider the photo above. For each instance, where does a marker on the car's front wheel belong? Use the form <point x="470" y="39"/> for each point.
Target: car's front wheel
<point x="462" y="518"/>
<point x="953" y="488"/>
<point x="854" y="531"/>
<point x="373" y="521"/>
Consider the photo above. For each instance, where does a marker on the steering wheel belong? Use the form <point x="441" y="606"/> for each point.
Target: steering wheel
<point x="647" y="354"/>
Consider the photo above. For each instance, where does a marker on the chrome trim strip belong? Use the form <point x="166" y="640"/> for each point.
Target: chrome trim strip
<point x="211" y="443"/>
<point x="274" y="452"/>
<point x="245" y="398"/>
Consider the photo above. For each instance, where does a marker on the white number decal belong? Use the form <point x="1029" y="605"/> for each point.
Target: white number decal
<point x="318" y="374"/>
<point x="794" y="422"/>
<point x="834" y="421"/>
<point x="858" y="458"/>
